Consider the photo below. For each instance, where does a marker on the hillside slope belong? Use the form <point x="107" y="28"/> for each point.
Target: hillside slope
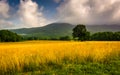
<point x="62" y="29"/>
<point x="51" y="30"/>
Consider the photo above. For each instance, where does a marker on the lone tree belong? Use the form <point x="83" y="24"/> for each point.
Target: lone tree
<point x="80" y="32"/>
<point x="8" y="36"/>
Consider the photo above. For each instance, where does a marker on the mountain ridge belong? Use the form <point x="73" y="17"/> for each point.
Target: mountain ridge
<point x="62" y="29"/>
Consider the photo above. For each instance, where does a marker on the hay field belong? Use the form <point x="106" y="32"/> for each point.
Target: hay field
<point x="58" y="57"/>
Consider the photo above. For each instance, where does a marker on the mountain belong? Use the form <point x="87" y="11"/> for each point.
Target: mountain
<point x="56" y="30"/>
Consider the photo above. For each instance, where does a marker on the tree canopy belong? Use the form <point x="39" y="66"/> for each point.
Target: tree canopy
<point x="106" y="36"/>
<point x="8" y="36"/>
<point x="80" y="32"/>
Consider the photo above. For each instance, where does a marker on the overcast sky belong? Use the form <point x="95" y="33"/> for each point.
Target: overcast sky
<point x="36" y="13"/>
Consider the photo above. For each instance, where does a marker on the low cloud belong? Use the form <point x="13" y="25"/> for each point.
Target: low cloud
<point x="6" y="24"/>
<point x="89" y="11"/>
<point x="30" y="14"/>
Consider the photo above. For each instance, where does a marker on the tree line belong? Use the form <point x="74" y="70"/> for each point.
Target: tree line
<point x="79" y="33"/>
<point x="8" y="36"/>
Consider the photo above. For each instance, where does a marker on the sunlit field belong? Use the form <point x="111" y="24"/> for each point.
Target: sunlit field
<point x="60" y="58"/>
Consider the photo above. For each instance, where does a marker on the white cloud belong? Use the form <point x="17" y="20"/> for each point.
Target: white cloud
<point x="89" y="11"/>
<point x="4" y="9"/>
<point x="4" y="14"/>
<point x="30" y="14"/>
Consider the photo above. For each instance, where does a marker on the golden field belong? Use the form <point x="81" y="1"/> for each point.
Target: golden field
<point x="15" y="56"/>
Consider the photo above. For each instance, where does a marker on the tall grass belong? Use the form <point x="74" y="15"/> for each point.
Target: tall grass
<point x="40" y="55"/>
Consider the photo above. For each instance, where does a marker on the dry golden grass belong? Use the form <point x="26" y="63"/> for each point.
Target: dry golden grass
<point x="14" y="56"/>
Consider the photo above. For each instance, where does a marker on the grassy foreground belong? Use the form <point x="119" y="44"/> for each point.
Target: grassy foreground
<point x="60" y="58"/>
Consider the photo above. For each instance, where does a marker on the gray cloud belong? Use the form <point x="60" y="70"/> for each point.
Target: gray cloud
<point x="89" y="11"/>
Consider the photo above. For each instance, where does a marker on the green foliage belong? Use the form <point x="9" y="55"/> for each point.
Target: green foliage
<point x="80" y="32"/>
<point x="65" y="38"/>
<point x="87" y="36"/>
<point x="31" y="38"/>
<point x="106" y="36"/>
<point x="8" y="36"/>
<point x="116" y="36"/>
<point x="47" y="38"/>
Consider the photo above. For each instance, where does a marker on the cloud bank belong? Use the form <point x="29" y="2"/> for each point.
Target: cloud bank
<point x="89" y="11"/>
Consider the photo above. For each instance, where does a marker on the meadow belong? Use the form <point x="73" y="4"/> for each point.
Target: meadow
<point x="60" y="58"/>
